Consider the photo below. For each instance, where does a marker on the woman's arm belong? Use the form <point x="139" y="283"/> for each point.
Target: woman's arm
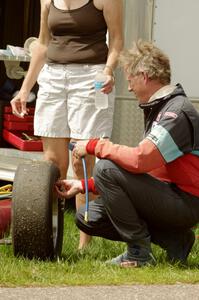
<point x="39" y="53"/>
<point x="113" y="14"/>
<point x="18" y="103"/>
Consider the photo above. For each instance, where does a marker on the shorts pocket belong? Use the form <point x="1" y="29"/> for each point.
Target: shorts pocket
<point x="51" y="81"/>
<point x="44" y="83"/>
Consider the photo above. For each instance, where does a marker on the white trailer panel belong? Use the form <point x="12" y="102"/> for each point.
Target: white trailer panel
<point x="175" y="29"/>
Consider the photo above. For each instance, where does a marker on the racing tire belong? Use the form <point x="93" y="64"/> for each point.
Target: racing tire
<point x="37" y="213"/>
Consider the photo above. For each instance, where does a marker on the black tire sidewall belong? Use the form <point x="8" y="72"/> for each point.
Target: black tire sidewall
<point x="32" y="230"/>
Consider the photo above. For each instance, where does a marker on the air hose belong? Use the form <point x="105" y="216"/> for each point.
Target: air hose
<point x="71" y="147"/>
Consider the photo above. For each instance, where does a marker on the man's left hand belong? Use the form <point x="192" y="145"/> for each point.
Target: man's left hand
<point x="80" y="148"/>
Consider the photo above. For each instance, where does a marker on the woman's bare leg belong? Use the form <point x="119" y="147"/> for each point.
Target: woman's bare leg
<point x="80" y="198"/>
<point x="56" y="150"/>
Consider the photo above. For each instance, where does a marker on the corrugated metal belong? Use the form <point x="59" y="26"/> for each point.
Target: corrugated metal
<point x="128" y="122"/>
<point x="128" y="119"/>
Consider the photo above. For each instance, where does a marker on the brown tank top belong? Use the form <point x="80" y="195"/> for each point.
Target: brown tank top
<point x="78" y="35"/>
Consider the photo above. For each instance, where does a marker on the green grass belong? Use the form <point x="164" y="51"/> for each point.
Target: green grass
<point x="89" y="268"/>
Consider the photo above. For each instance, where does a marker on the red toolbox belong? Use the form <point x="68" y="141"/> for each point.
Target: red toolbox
<point x="13" y="118"/>
<point x="16" y="139"/>
<point x="19" y="131"/>
<point x="8" y="110"/>
<point x="25" y="126"/>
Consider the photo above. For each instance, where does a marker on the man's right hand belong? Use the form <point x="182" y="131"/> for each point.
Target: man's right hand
<point x="68" y="188"/>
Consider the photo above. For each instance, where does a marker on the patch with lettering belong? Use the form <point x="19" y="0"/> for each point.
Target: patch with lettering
<point x="170" y="114"/>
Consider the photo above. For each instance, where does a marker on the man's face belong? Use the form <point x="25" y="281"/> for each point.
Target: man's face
<point x="137" y="85"/>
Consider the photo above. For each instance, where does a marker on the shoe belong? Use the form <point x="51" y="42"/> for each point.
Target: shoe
<point x="136" y="255"/>
<point x="124" y="261"/>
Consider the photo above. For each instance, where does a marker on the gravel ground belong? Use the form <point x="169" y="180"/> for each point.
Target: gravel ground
<point x="134" y="292"/>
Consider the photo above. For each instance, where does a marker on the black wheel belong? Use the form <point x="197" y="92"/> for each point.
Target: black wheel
<point x="37" y="214"/>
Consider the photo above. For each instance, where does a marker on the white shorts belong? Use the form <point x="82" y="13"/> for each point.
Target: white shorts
<point x="65" y="105"/>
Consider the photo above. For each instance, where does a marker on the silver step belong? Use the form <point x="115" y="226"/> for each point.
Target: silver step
<point x="11" y="158"/>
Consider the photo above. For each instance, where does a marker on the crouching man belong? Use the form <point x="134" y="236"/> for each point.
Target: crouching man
<point x="148" y="193"/>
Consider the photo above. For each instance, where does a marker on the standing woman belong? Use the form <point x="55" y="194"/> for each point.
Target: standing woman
<point x="70" y="50"/>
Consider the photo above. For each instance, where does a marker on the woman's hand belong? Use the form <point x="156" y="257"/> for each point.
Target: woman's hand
<point x="68" y="188"/>
<point x="108" y="85"/>
<point x="18" y="104"/>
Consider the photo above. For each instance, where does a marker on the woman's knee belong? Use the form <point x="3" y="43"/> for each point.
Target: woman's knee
<point x="55" y="150"/>
<point x="61" y="163"/>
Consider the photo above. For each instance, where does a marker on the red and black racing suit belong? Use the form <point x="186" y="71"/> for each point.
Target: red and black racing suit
<point x="153" y="187"/>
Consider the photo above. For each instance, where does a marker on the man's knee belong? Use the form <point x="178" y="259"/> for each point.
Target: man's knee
<point x="101" y="166"/>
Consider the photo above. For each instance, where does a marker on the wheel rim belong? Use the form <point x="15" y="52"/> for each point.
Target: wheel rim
<point x="55" y="220"/>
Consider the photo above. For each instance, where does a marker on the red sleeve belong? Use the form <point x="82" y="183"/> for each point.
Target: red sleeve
<point x="90" y="147"/>
<point x="91" y="186"/>
<point x="141" y="159"/>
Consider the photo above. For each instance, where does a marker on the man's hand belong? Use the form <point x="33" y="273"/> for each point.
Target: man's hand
<point x="68" y="188"/>
<point x="80" y="149"/>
